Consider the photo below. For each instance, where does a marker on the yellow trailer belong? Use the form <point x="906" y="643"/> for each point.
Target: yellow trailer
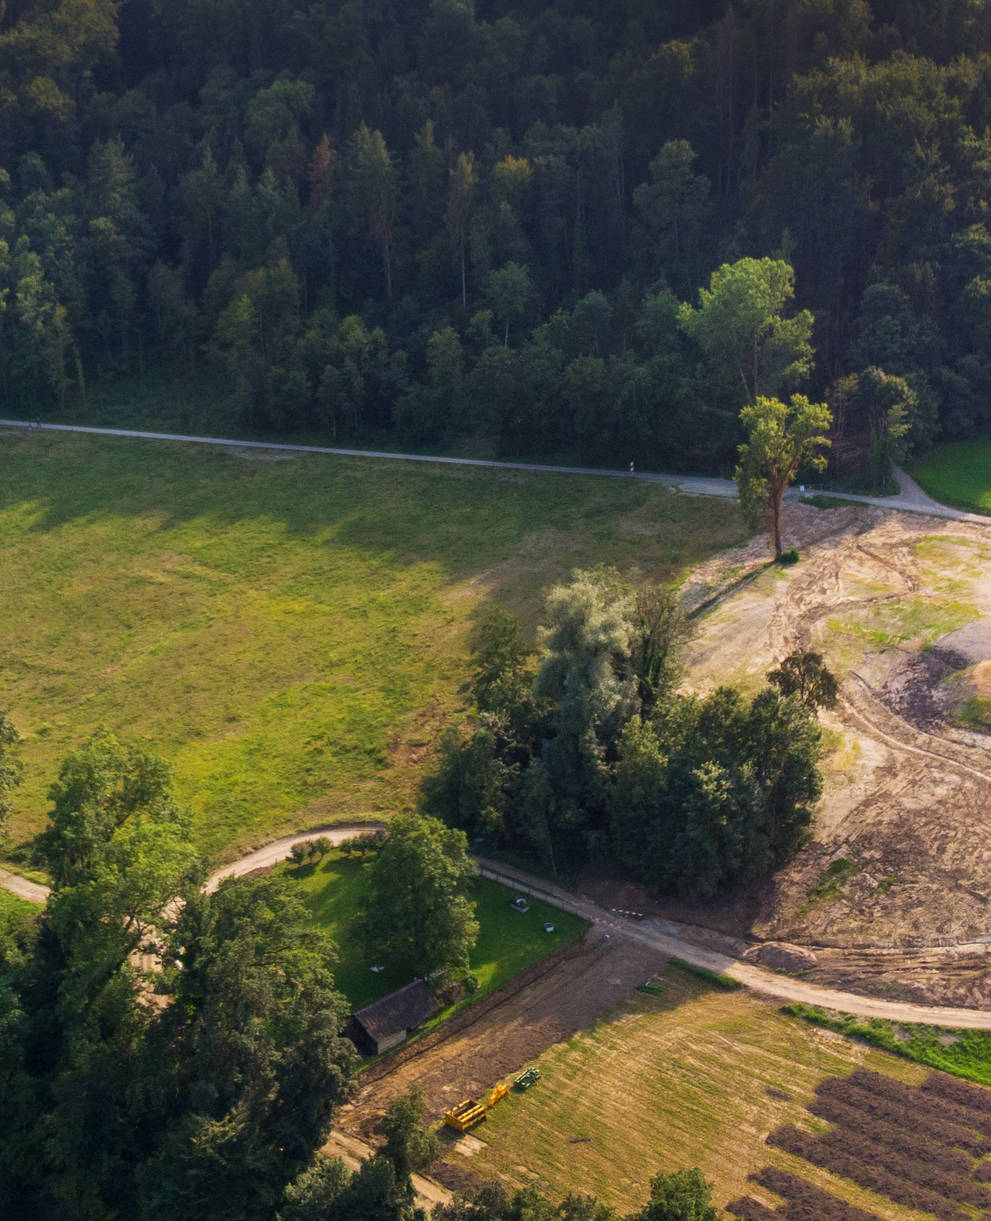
<point x="498" y="1092"/>
<point x="465" y="1115"/>
<point x="472" y="1111"/>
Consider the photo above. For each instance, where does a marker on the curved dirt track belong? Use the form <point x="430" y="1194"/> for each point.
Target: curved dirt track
<point x="662" y="939"/>
<point x="907" y="808"/>
<point x="943" y="868"/>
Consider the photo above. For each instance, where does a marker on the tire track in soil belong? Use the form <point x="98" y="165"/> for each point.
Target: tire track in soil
<point x="516" y="1024"/>
<point x="886" y="544"/>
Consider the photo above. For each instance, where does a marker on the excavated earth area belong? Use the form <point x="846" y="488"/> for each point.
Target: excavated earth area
<point x="893" y="894"/>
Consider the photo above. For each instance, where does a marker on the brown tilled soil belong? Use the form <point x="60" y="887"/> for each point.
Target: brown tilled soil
<point x="896" y="603"/>
<point x="923" y="1146"/>
<point x="496" y="1038"/>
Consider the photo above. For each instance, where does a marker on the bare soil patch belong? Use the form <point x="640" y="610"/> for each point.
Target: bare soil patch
<point x="900" y="606"/>
<point x="693" y="1076"/>
<point x="466" y="1056"/>
<point x="923" y="1146"/>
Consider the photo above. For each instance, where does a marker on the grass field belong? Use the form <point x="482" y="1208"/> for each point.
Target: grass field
<point x="508" y="941"/>
<point x="11" y="905"/>
<point x="965" y="1053"/>
<point x="958" y="475"/>
<point x="289" y="634"/>
<point x="695" y="1076"/>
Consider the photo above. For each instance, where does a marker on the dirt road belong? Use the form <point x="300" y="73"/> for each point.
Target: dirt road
<point x="901" y="610"/>
<point x="647" y="945"/>
<point x="353" y="1152"/>
<point x="552" y="1001"/>
<point x="911" y="497"/>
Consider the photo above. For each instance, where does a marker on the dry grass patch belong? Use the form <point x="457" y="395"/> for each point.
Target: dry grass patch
<point x="695" y="1077"/>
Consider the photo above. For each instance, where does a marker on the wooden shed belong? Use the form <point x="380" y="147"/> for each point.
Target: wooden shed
<point x="390" y="1020"/>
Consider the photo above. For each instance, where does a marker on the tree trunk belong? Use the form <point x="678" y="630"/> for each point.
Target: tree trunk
<point x="777" y="496"/>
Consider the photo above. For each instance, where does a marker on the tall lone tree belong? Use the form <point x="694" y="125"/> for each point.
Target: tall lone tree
<point x="780" y="439"/>
<point x="419" y="918"/>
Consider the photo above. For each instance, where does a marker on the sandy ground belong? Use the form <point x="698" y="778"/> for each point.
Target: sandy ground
<point x="901" y="607"/>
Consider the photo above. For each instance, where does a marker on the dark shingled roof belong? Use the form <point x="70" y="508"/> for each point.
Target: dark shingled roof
<point x="400" y="1010"/>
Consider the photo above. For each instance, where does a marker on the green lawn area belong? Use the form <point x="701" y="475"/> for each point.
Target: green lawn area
<point x="508" y="941"/>
<point x="11" y="905"/>
<point x="958" y="474"/>
<point x="965" y="1053"/>
<point x="289" y="634"/>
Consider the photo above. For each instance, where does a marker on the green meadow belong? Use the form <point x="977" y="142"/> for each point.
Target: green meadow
<point x="13" y="907"/>
<point x="508" y="941"/>
<point x="958" y="474"/>
<point x="290" y="634"/>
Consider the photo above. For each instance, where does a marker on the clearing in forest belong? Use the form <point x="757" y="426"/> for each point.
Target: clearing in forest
<point x="900" y="864"/>
<point x="290" y="635"/>
<point x="958" y="474"/>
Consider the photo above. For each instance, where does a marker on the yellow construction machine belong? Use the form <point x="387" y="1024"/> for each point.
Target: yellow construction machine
<point x="473" y="1110"/>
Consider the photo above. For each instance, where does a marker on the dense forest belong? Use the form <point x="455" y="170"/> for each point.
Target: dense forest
<point x="443" y="219"/>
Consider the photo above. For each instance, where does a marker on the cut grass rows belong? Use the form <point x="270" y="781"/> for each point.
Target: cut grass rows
<point x="696" y="1076"/>
<point x="290" y="635"/>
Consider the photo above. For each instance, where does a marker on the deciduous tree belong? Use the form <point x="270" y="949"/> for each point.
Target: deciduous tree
<point x="684" y="1195"/>
<point x="418" y="917"/>
<point x="740" y="326"/>
<point x="780" y="439"/>
<point x="804" y="673"/>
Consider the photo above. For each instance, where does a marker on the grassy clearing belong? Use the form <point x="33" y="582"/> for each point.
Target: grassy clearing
<point x="508" y="941"/>
<point x="890" y="623"/>
<point x="12" y="906"/>
<point x="958" y="475"/>
<point x="290" y="634"/>
<point x="965" y="1053"/>
<point x="694" y="1076"/>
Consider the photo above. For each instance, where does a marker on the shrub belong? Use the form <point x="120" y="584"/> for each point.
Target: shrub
<point x="718" y="980"/>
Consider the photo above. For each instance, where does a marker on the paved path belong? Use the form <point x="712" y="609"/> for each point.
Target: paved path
<point x="280" y="849"/>
<point x="911" y="499"/>
<point x="696" y="485"/>
<point x="22" y="887"/>
<point x="670" y="939"/>
<point x="663" y="935"/>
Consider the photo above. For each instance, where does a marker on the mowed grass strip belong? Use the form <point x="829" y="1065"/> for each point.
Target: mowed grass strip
<point x="289" y="634"/>
<point x="13" y="906"/>
<point x="958" y="474"/>
<point x="508" y="941"/>
<point x="696" y="1076"/>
